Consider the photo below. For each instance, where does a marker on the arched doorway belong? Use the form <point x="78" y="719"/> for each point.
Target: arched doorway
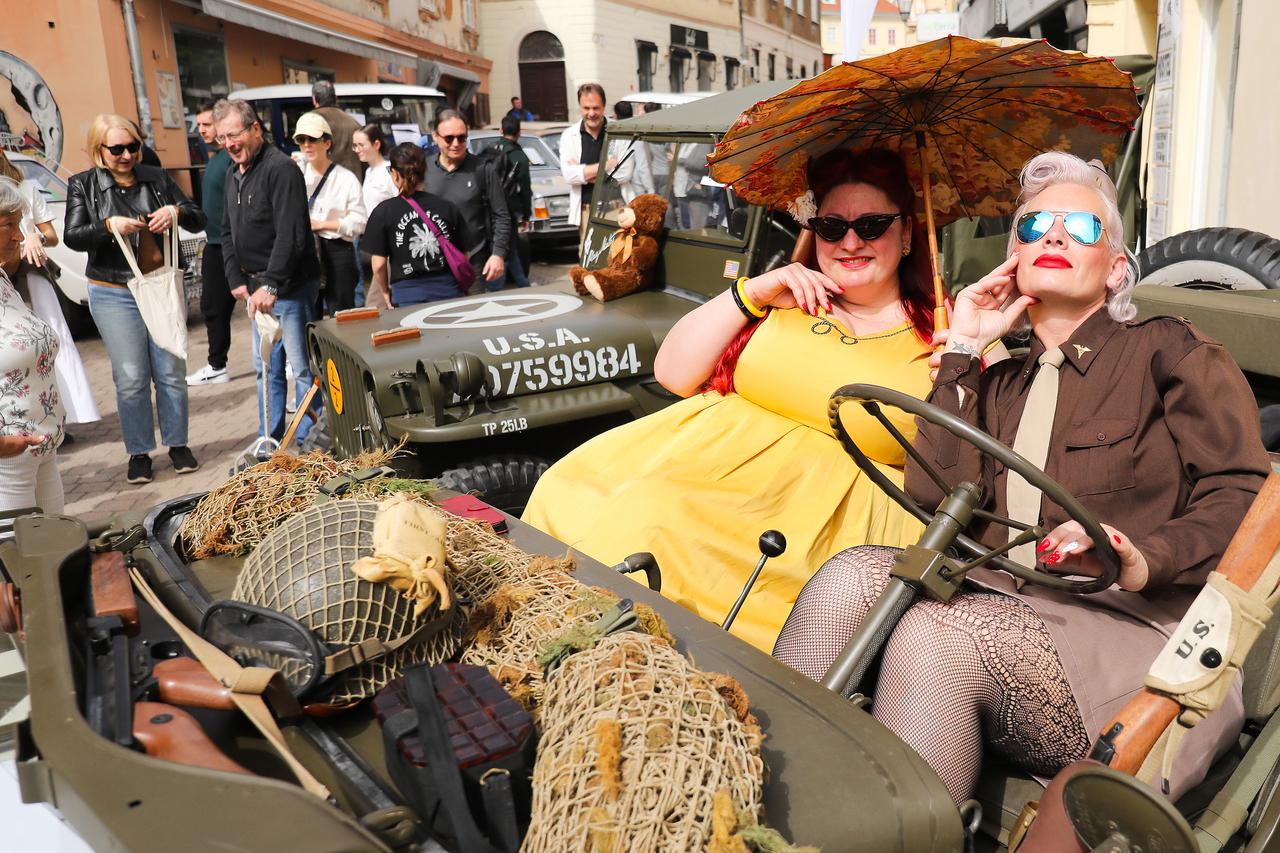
<point x="542" y="83"/>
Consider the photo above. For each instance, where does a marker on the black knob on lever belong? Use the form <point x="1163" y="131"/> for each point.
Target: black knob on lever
<point x="643" y="561"/>
<point x="772" y="544"/>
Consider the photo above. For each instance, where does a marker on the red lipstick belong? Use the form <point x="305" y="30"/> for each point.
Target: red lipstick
<point x="1053" y="262"/>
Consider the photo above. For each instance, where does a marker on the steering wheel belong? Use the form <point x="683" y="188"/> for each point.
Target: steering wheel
<point x="871" y="396"/>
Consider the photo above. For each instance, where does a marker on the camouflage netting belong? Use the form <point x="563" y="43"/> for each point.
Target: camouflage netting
<point x="636" y="744"/>
<point x="303" y="569"/>
<point x="236" y="516"/>
<point x="512" y="631"/>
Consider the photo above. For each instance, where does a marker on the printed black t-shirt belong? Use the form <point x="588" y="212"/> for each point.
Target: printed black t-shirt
<point x="396" y="232"/>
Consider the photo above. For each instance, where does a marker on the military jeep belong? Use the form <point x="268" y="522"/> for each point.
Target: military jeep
<point x="489" y="390"/>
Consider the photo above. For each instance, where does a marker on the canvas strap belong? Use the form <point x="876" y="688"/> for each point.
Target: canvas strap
<point x="248" y="685"/>
<point x="171" y="249"/>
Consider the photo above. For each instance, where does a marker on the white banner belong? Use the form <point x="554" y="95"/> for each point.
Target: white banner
<point x="855" y="21"/>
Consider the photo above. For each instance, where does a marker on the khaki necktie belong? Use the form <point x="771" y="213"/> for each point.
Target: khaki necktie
<point x="1032" y="442"/>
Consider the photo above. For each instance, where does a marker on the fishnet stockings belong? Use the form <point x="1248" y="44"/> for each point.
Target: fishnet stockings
<point x="982" y="666"/>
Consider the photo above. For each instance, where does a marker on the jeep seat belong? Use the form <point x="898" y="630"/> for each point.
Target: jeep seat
<point x="1003" y="790"/>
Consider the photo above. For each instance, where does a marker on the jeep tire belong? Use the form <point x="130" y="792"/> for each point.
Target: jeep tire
<point x="1213" y="259"/>
<point x="502" y="481"/>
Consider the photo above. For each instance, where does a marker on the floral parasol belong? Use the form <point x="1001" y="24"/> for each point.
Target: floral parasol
<point x="987" y="107"/>
<point x="974" y="110"/>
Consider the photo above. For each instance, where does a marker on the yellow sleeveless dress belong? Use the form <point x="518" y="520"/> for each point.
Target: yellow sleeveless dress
<point x="698" y="482"/>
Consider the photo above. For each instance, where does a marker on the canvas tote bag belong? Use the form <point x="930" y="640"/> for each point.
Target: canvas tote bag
<point x="161" y="297"/>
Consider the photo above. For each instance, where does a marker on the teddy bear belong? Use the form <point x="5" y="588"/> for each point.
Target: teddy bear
<point x="632" y="256"/>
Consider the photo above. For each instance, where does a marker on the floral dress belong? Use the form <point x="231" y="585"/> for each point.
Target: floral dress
<point x="29" y="399"/>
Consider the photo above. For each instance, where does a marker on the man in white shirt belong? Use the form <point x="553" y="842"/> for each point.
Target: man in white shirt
<point x="580" y="147"/>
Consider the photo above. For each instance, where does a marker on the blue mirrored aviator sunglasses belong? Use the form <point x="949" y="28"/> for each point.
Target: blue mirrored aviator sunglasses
<point x="1084" y="227"/>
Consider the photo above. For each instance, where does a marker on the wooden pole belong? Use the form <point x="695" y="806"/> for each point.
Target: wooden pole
<point x="939" y="296"/>
<point x="1134" y="732"/>
<point x="803" y="245"/>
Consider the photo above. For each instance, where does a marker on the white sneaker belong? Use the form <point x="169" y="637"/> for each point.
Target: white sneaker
<point x="209" y="375"/>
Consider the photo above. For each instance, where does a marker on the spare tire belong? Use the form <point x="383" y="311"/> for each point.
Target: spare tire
<point x="502" y="481"/>
<point x="1213" y="259"/>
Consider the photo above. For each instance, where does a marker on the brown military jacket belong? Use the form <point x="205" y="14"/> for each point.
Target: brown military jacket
<point x="1156" y="432"/>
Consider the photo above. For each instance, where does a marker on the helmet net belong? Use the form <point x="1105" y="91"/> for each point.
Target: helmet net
<point x="303" y="570"/>
<point x="636" y="745"/>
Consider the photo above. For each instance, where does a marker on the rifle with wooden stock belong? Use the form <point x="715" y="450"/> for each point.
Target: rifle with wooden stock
<point x="1250" y="569"/>
<point x="120" y="712"/>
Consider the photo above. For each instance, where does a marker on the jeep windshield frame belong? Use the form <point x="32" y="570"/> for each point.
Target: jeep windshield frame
<point x="691" y="195"/>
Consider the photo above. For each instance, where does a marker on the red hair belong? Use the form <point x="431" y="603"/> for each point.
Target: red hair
<point x="885" y="171"/>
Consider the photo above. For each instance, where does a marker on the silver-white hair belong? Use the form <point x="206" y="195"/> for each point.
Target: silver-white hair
<point x="11" y="200"/>
<point x="1058" y="167"/>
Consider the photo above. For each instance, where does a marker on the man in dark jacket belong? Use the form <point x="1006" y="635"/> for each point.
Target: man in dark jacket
<point x="268" y="251"/>
<point x="476" y="191"/>
<point x="341" y="127"/>
<point x="216" y="302"/>
<point x="512" y="166"/>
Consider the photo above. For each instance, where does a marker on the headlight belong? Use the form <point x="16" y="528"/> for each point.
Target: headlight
<point x="539" y="207"/>
<point x="558" y="205"/>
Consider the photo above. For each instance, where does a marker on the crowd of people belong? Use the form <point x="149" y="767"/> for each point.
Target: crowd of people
<point x="1148" y="423"/>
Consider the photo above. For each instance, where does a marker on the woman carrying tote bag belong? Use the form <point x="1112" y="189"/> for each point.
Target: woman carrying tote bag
<point x="123" y="203"/>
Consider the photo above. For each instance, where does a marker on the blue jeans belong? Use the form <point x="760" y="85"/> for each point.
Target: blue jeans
<point x="293" y="312"/>
<point x="355" y="244"/>
<point x="515" y="269"/>
<point x="136" y="364"/>
<point x="431" y="288"/>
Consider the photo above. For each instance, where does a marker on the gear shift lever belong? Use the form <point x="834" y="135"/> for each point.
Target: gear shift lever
<point x="772" y="544"/>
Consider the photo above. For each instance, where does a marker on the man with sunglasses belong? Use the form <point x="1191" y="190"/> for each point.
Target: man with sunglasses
<point x="268" y="252"/>
<point x="476" y="190"/>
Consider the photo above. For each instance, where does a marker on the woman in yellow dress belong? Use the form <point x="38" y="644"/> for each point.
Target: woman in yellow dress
<point x="750" y="449"/>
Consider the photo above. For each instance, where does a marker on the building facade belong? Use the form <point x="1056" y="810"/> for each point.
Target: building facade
<point x="926" y="20"/>
<point x="542" y="50"/>
<point x="72" y="61"/>
<point x="781" y="39"/>
<point x="1209" y="113"/>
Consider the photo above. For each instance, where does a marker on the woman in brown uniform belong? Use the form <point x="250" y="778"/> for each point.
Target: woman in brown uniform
<point x="1149" y="424"/>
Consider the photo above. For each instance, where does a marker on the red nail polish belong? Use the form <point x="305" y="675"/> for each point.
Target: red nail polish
<point x="1043" y="546"/>
<point x="1053" y="559"/>
<point x="1116" y="538"/>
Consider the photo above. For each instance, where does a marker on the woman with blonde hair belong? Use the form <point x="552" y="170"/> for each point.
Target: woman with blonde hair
<point x="122" y="197"/>
<point x="1148" y="423"/>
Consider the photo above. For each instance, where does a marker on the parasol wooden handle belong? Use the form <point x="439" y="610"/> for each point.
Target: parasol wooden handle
<point x="1133" y="733"/>
<point x="939" y="294"/>
<point x="804" y="245"/>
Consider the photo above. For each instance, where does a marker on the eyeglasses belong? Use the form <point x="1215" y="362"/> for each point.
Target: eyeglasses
<point x="1084" y="227"/>
<point x="132" y="147"/>
<point x="869" y="227"/>
<point x="302" y="139"/>
<point x="451" y="139"/>
<point x="222" y="139"/>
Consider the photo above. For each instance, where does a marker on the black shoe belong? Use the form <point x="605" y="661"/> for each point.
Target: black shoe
<point x="184" y="461"/>
<point x="139" y="469"/>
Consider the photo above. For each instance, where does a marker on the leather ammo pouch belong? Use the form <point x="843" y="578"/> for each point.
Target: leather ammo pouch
<point x="461" y="751"/>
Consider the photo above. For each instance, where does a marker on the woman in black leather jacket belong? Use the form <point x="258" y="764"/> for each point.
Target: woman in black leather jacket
<point x="140" y="203"/>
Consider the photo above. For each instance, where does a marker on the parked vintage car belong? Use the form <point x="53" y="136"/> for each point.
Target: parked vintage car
<point x="410" y="109"/>
<point x="550" y="223"/>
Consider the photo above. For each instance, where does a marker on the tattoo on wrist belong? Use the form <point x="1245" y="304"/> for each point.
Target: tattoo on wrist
<point x="964" y="349"/>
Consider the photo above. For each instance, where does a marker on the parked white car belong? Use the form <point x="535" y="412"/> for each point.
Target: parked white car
<point x="73" y="288"/>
